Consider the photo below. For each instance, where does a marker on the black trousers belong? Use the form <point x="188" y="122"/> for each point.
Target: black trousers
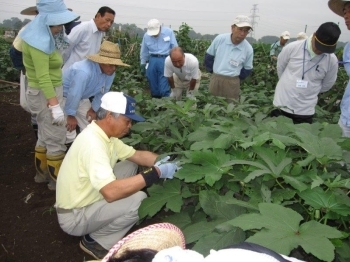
<point x="297" y="119"/>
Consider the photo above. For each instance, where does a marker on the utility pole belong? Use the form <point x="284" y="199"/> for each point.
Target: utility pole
<point x="254" y="17"/>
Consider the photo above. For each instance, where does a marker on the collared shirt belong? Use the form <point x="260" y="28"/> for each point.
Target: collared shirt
<point x="88" y="167"/>
<point x="189" y="71"/>
<point x="320" y="73"/>
<point x="230" y="58"/>
<point x="345" y="102"/>
<point x="276" y="48"/>
<point x="84" y="39"/>
<point x="83" y="80"/>
<point x="160" y="45"/>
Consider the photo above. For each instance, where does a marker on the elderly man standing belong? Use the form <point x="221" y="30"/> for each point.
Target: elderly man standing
<point x="230" y="59"/>
<point x="91" y="77"/>
<point x="97" y="198"/>
<point x="182" y="71"/>
<point x="305" y="69"/>
<point x="277" y="46"/>
<point x="155" y="47"/>
<point x="85" y="38"/>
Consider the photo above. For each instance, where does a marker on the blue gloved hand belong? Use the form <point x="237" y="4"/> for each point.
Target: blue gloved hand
<point x="167" y="169"/>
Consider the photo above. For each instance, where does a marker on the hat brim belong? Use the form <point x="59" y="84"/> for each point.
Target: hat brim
<point x="30" y="11"/>
<point x="286" y="37"/>
<point x="106" y="60"/>
<point x="156" y="237"/>
<point x="337" y="6"/>
<point x="153" y="32"/>
<point x="61" y="18"/>
<point x="323" y="48"/>
<point x="135" y="117"/>
<point x="244" y="24"/>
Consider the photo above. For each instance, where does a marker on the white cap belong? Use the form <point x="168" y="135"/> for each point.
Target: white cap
<point x="301" y="36"/>
<point x="242" y="21"/>
<point x="153" y="27"/>
<point x="285" y="35"/>
<point x="119" y="103"/>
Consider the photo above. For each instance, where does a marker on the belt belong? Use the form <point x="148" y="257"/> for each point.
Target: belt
<point x="63" y="211"/>
<point x="157" y="55"/>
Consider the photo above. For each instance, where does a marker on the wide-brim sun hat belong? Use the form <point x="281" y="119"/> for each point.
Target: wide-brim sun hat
<point x="109" y="54"/>
<point x="337" y="6"/>
<point x="32" y="10"/>
<point x="156" y="237"/>
<point x="55" y="12"/>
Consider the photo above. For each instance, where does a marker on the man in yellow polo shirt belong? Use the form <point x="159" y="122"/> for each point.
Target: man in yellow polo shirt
<point x="95" y="197"/>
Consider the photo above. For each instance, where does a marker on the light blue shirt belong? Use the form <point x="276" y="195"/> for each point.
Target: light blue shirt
<point x="345" y="102"/>
<point x="83" y="80"/>
<point x="160" y="45"/>
<point x="276" y="48"/>
<point x="230" y="58"/>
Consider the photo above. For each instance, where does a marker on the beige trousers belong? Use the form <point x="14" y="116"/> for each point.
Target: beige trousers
<point x="181" y="85"/>
<point x="225" y="86"/>
<point x="106" y="223"/>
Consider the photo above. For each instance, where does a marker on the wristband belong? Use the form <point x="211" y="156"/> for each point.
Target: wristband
<point x="150" y="176"/>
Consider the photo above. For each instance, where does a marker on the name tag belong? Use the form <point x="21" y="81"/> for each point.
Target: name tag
<point x="301" y="84"/>
<point x="167" y="38"/>
<point x="234" y="63"/>
<point x="146" y="66"/>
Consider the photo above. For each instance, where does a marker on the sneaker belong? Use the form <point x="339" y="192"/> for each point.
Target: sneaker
<point x="93" y="248"/>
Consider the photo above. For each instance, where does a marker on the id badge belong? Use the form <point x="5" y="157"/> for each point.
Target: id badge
<point x="301" y="84"/>
<point x="166" y="39"/>
<point x="146" y="66"/>
<point x="234" y="63"/>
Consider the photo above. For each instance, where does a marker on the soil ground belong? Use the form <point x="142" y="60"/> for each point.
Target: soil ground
<point x="29" y="230"/>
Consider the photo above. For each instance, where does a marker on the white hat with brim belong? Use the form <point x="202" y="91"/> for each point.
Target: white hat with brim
<point x="156" y="237"/>
<point x="285" y="35"/>
<point x="109" y="54"/>
<point x="153" y="27"/>
<point x="243" y="21"/>
<point x="337" y="6"/>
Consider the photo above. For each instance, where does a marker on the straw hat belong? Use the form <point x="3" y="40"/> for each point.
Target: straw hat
<point x="32" y="10"/>
<point x="337" y="6"/>
<point x="156" y="237"/>
<point x="109" y="54"/>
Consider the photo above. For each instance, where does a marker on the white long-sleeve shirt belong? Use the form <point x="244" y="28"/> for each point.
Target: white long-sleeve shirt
<point x="320" y="72"/>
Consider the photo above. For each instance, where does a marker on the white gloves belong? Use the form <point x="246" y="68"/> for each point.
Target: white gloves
<point x="57" y="115"/>
<point x="167" y="169"/>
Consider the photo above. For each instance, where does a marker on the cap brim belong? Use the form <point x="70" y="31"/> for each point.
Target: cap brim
<point x="244" y="24"/>
<point x="324" y="49"/>
<point x="29" y="11"/>
<point x="106" y="60"/>
<point x="152" y="32"/>
<point x="135" y="117"/>
<point x="337" y="6"/>
<point x="286" y="37"/>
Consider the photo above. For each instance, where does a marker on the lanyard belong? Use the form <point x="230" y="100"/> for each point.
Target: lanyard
<point x="304" y="72"/>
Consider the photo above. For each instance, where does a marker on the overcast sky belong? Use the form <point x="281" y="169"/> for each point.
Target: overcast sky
<point x="204" y="16"/>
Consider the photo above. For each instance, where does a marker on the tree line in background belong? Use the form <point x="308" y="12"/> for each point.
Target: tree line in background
<point x="133" y="31"/>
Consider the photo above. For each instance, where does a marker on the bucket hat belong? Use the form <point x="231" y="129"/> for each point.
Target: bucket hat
<point x="109" y="54"/>
<point x="37" y="33"/>
<point x="326" y="37"/>
<point x="337" y="6"/>
<point x="156" y="237"/>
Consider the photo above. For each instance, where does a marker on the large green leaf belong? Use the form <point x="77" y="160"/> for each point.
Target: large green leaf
<point x="169" y="195"/>
<point x="327" y="201"/>
<point x="281" y="231"/>
<point x="218" y="241"/>
<point x="196" y="231"/>
<point x="216" y="206"/>
<point x="181" y="220"/>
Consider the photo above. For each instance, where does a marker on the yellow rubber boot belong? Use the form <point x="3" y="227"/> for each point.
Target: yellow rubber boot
<point x="53" y="166"/>
<point x="42" y="174"/>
